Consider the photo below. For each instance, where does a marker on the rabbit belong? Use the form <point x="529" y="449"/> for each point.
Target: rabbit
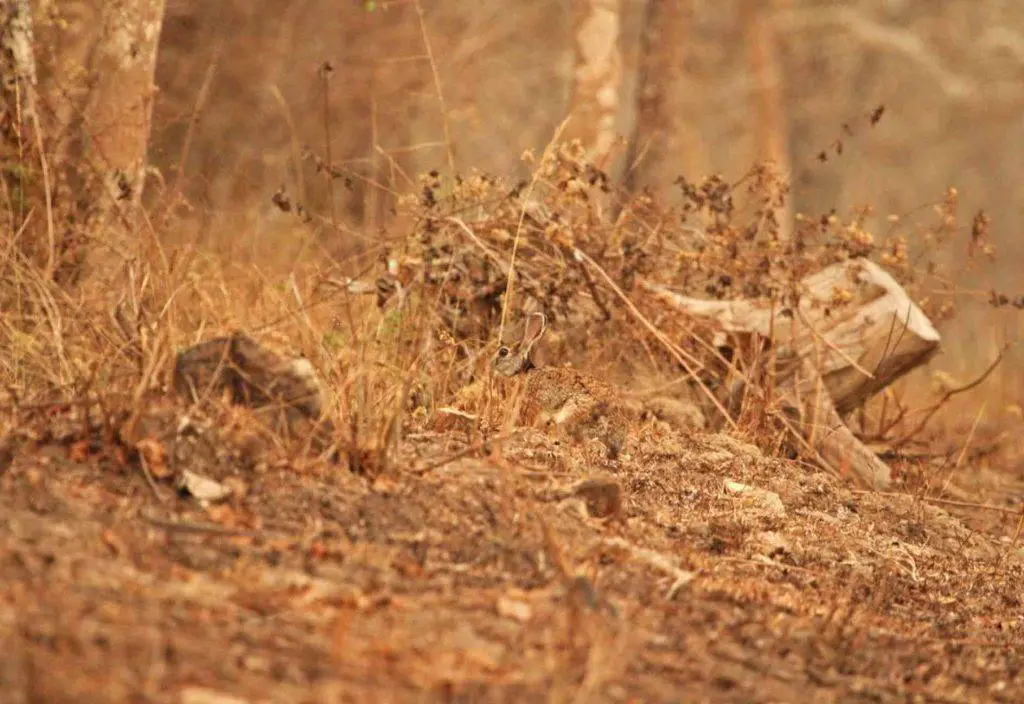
<point x="583" y="405"/>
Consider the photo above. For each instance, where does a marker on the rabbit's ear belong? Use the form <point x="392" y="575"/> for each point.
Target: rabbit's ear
<point x="536" y="324"/>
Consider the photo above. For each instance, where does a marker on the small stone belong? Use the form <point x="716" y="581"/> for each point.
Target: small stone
<point x="203" y="489"/>
<point x="514" y="609"/>
<point x="602" y="497"/>
<point x="767" y="500"/>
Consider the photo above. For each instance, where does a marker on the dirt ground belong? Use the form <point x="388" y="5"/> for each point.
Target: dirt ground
<point x="493" y="576"/>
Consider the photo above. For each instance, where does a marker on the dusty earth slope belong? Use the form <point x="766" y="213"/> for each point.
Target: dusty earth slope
<point x="722" y="576"/>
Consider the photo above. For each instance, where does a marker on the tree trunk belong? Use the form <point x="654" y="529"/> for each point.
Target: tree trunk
<point x="665" y="142"/>
<point x="597" y="76"/>
<point x="771" y="127"/>
<point x="94" y="62"/>
<point x="26" y="176"/>
<point x="119" y="107"/>
<point x="19" y="62"/>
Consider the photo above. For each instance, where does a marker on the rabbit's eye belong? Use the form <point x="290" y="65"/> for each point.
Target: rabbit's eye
<point x="503" y="352"/>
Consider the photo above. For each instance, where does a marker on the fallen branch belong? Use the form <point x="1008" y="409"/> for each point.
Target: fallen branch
<point x="854" y="332"/>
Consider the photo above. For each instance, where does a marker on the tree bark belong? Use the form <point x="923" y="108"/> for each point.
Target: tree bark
<point x="18" y="40"/>
<point x="768" y="98"/>
<point x="20" y="122"/>
<point x="93" y="94"/>
<point x="119" y="108"/>
<point x="665" y="142"/>
<point x="597" y="76"/>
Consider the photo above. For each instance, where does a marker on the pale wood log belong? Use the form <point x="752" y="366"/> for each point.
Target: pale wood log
<point x="854" y="320"/>
<point x="854" y="332"/>
<point x="825" y="430"/>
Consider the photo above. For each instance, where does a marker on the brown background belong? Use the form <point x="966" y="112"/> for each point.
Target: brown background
<point x="950" y="75"/>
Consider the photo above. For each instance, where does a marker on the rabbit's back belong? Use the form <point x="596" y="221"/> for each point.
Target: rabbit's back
<point x="554" y="386"/>
<point x="580" y="403"/>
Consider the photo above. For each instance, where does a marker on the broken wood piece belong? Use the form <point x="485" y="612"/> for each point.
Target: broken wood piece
<point x="827" y="432"/>
<point x="854" y="332"/>
<point x="857" y="323"/>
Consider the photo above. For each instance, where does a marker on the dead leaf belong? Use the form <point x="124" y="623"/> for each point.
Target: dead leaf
<point x="113" y="543"/>
<point x="79" y="451"/>
<point x="155" y="455"/>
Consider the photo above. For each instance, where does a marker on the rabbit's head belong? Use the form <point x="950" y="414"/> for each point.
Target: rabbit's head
<point x="514" y="358"/>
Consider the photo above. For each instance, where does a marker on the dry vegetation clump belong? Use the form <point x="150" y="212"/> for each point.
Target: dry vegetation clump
<point x="402" y="335"/>
<point x="460" y="555"/>
<point x="235" y="466"/>
<point x="477" y="253"/>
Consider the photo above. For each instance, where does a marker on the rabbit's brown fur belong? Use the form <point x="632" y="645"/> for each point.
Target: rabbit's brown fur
<point x="581" y="404"/>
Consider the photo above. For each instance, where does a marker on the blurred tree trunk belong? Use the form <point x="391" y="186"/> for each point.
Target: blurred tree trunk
<point x="92" y="92"/>
<point x="597" y="75"/>
<point x="771" y="126"/>
<point x="665" y="143"/>
<point x="18" y="62"/>
<point x="19" y="121"/>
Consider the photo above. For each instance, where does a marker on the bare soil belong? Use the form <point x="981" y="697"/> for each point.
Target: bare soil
<point x="723" y="576"/>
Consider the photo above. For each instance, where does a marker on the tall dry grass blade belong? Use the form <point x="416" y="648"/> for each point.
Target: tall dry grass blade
<point x="435" y="74"/>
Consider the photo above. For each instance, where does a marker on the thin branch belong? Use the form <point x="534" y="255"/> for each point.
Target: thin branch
<point x="958" y="86"/>
<point x="947" y="396"/>
<point x="673" y="349"/>
<point x="144" y="466"/>
<point x="472" y="449"/>
<point x="534" y="178"/>
<point x="940" y="500"/>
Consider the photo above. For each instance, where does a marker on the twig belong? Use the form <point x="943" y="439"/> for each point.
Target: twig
<point x="467" y="451"/>
<point x="61" y="404"/>
<point x="658" y="561"/>
<point x="673" y="349"/>
<point x="963" y="450"/>
<point x="437" y="87"/>
<point x="325" y="73"/>
<point x="476" y="240"/>
<point x="940" y="500"/>
<point x="144" y="466"/>
<point x="947" y="396"/>
<point x="51" y="235"/>
<point x="201" y="98"/>
<point x="534" y="177"/>
<point x="293" y="133"/>
<point x="592" y="287"/>
<point x="203" y="528"/>
<point x="801" y="440"/>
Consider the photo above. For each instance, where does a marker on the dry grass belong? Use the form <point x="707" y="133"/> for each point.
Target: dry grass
<point x="402" y="327"/>
<point x="453" y="555"/>
<point x="440" y="559"/>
